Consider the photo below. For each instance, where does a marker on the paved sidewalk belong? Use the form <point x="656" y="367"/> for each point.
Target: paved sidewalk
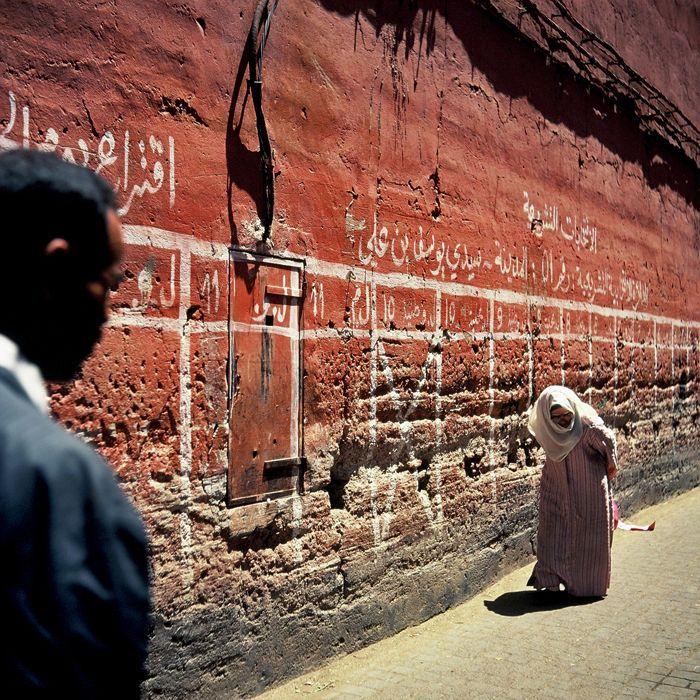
<point x="642" y="641"/>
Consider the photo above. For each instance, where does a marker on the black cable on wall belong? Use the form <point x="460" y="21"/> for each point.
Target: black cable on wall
<point x="259" y="30"/>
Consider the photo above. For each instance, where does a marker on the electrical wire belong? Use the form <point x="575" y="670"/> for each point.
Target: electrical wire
<point x="257" y="38"/>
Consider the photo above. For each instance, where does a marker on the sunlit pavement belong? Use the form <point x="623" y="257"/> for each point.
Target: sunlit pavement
<point x="642" y="640"/>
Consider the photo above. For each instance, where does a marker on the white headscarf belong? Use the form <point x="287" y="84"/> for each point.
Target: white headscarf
<point x="557" y="441"/>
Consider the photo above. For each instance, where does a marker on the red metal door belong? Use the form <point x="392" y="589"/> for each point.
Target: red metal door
<point x="266" y="296"/>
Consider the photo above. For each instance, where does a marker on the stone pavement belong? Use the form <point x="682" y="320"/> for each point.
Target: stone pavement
<point x="642" y="641"/>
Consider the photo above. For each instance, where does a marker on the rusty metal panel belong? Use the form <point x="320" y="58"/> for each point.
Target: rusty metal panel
<point x="265" y="454"/>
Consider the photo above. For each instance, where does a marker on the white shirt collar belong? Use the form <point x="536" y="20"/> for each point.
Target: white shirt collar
<point x="25" y="372"/>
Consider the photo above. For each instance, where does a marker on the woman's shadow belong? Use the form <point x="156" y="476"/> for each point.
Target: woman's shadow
<point x="518" y="603"/>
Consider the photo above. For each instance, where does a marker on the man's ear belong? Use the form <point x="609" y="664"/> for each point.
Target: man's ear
<point x="56" y="245"/>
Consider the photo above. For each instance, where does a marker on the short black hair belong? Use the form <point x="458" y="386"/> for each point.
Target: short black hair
<point x="44" y="197"/>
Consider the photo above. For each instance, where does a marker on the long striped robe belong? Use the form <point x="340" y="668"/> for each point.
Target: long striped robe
<point x="575" y="529"/>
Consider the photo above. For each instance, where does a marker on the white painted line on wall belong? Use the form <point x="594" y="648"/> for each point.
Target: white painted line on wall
<point x="615" y="372"/>
<point x="505" y="335"/>
<point x="492" y="398"/>
<point x="293" y="331"/>
<point x="174" y="325"/>
<point x="673" y="351"/>
<point x="633" y="371"/>
<point x="451" y="336"/>
<point x="25" y="127"/>
<point x="122" y="320"/>
<point x="674" y="347"/>
<point x="335" y="333"/>
<point x="165" y="324"/>
<point x="185" y="419"/>
<point x="530" y="371"/>
<point x="402" y="280"/>
<point x="492" y="359"/>
<point x="373" y="371"/>
<point x="561" y="342"/>
<point x="384" y="517"/>
<point x="220" y="327"/>
<point x="373" y="359"/>
<point x="673" y="381"/>
<point x="656" y="369"/>
<point x="439" y="516"/>
<point x="126" y="163"/>
<point x="161" y="238"/>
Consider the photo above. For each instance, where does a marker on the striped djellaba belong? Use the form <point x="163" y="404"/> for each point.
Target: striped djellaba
<point x="575" y="529"/>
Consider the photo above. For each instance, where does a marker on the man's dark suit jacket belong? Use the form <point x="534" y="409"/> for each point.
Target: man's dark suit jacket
<point x="74" y="596"/>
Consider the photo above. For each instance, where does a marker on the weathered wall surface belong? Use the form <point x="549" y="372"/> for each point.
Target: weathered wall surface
<point x="475" y="224"/>
<point x="642" y="32"/>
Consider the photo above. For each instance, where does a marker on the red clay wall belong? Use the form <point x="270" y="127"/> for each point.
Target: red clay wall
<point x="657" y="39"/>
<point x="416" y="147"/>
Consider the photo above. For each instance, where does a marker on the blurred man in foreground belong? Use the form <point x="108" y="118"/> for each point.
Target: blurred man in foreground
<point x="74" y="587"/>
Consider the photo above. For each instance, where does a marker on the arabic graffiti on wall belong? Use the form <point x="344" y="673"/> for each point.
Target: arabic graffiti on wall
<point x="563" y="224"/>
<point x="137" y="165"/>
<point x="547" y="268"/>
<point x="451" y="262"/>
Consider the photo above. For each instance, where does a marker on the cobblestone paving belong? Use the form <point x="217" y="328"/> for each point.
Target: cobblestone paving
<point x="641" y="641"/>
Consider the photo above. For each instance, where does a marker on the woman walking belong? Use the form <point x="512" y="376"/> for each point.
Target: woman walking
<point x="576" y="515"/>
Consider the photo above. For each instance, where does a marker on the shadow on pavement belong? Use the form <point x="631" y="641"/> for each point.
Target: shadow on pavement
<point x="518" y="603"/>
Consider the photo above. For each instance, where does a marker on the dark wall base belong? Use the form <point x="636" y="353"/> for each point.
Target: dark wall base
<point x="226" y="652"/>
